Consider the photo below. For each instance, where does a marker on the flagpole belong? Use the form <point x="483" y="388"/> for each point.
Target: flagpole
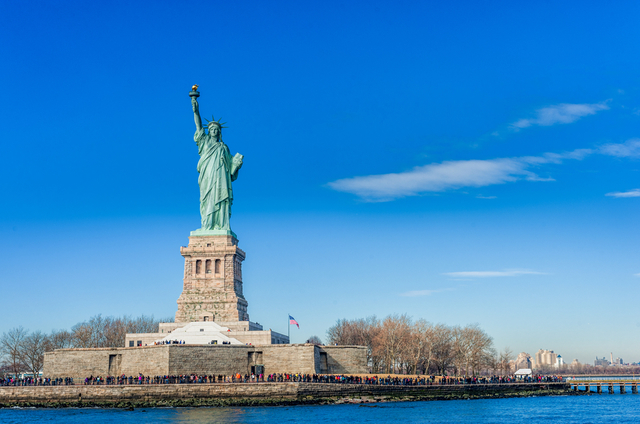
<point x="288" y="328"/>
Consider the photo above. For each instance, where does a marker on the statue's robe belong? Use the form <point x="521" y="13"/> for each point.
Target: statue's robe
<point x="217" y="170"/>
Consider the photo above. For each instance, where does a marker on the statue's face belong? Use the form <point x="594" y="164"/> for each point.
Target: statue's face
<point x="214" y="131"/>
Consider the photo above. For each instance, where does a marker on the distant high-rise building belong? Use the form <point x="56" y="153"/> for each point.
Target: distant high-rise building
<point x="546" y="357"/>
<point x="601" y="362"/>
<point x="523" y="361"/>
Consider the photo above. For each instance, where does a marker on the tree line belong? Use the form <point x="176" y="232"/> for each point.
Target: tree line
<point x="588" y="369"/>
<point x="23" y="351"/>
<point x="398" y="344"/>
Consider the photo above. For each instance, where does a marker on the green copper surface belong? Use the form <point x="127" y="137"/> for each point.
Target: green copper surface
<point x="217" y="170"/>
<point x="202" y="232"/>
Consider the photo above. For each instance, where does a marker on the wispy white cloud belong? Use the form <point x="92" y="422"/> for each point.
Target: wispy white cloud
<point x="636" y="275"/>
<point x="416" y="293"/>
<point x="630" y="193"/>
<point x="451" y="175"/>
<point x="564" y="113"/>
<point x="438" y="177"/>
<point x="485" y="197"/>
<point x="434" y="177"/>
<point x="630" y="148"/>
<point x="488" y="274"/>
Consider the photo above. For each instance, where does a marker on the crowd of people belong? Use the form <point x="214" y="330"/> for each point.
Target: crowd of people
<point x="168" y="342"/>
<point x="36" y="381"/>
<point x="278" y="378"/>
<point x="495" y="379"/>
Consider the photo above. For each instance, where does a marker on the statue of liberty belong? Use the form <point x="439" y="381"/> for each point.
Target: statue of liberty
<point x="217" y="170"/>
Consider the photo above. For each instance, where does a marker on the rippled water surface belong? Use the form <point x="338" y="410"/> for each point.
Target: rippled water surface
<point x="561" y="409"/>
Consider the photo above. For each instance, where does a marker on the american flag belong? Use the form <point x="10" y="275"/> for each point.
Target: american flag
<point x="292" y="321"/>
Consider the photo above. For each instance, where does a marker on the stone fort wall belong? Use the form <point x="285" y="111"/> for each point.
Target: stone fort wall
<point x="82" y="363"/>
<point x="204" y="359"/>
<point x="344" y="359"/>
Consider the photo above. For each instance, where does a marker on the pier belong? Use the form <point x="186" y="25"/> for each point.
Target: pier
<point x="625" y="386"/>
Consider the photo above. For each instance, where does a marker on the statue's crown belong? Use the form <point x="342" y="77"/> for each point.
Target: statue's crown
<point x="214" y="122"/>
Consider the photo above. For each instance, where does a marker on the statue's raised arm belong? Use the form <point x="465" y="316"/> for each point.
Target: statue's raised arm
<point x="196" y="113"/>
<point x="196" y="107"/>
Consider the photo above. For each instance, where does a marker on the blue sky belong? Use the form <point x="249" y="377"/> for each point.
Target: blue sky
<point x="463" y="162"/>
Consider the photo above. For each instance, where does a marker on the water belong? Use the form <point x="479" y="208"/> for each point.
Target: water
<point x="603" y="408"/>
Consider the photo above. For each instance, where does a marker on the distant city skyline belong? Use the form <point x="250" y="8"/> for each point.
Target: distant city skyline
<point x="549" y="358"/>
<point x="459" y="162"/>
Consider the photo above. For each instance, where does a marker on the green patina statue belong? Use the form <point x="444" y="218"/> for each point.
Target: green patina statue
<point x="217" y="170"/>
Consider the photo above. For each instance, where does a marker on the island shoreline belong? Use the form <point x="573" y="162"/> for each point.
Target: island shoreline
<point x="261" y="394"/>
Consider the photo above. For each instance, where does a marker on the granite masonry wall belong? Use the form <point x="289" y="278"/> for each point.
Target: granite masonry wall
<point x="209" y="360"/>
<point x="346" y="359"/>
<point x="204" y="359"/>
<point x="212" y="287"/>
<point x="82" y="363"/>
<point x="265" y="392"/>
<point x="288" y="358"/>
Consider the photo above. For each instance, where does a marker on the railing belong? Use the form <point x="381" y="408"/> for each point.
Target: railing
<point x="614" y="378"/>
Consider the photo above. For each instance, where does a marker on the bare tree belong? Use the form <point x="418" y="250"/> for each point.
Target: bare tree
<point x="493" y="361"/>
<point x="59" y="339"/>
<point x="360" y="332"/>
<point x="421" y="346"/>
<point x="32" y="351"/>
<point x="505" y="358"/>
<point x="479" y="348"/>
<point x="111" y="331"/>
<point x="392" y="340"/>
<point x="365" y="331"/>
<point x="21" y="351"/>
<point x="578" y="368"/>
<point x="336" y="333"/>
<point x="397" y="344"/>
<point x="314" y="340"/>
<point x="11" y="345"/>
<point x="88" y="334"/>
<point x="459" y="346"/>
<point x="443" y="350"/>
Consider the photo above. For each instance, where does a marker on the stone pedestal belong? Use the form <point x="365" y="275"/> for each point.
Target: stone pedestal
<point x="212" y="288"/>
